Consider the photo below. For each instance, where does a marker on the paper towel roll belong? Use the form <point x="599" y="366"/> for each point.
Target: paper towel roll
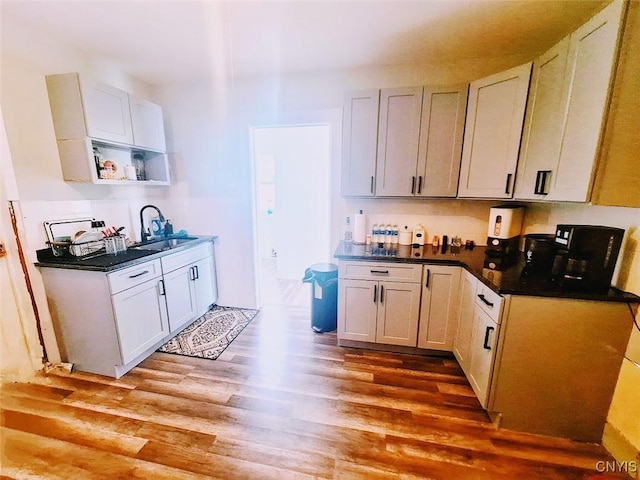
<point x="360" y="228"/>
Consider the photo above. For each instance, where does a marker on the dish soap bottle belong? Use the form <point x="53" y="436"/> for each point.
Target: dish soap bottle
<point x="348" y="231"/>
<point x="168" y="228"/>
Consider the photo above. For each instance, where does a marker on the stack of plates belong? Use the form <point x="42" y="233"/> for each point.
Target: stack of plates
<point x="86" y="243"/>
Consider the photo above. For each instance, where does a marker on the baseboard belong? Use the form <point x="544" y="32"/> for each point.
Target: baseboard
<point x="622" y="450"/>
<point x="383" y="347"/>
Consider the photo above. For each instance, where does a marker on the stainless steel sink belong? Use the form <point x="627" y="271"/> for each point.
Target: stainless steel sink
<point x="164" y="244"/>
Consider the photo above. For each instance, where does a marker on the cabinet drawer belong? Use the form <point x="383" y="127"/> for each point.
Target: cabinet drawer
<point x="489" y="301"/>
<point x="185" y="257"/>
<point x="401" y="272"/>
<point x="132" y="276"/>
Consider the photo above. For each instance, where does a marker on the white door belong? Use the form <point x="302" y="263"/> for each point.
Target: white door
<point x="300" y="217"/>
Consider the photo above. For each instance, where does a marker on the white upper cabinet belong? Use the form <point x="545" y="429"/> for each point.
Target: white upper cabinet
<point x="107" y="112"/>
<point x="359" y="142"/>
<point x="495" y="116"/>
<point x="95" y="122"/>
<point x="440" y="148"/>
<point x="617" y="180"/>
<point x="83" y="108"/>
<point x="403" y="142"/>
<point x="567" y="109"/>
<point x="147" y="124"/>
<point x="398" y="135"/>
<point x="542" y="135"/>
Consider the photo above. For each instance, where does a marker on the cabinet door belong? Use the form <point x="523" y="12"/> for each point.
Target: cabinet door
<point x="492" y="133"/>
<point x="357" y="309"/>
<point x="617" y="181"/>
<point x="483" y="345"/>
<point x="439" y="307"/>
<point x="359" y="142"/>
<point x="180" y="293"/>
<point x="398" y="136"/>
<point x="398" y="310"/>
<point x="462" y="342"/>
<point x="147" y="123"/>
<point x="592" y="57"/>
<point x="440" y="147"/>
<point x="542" y="134"/>
<point x="141" y="318"/>
<point x="107" y="112"/>
<point x="206" y="290"/>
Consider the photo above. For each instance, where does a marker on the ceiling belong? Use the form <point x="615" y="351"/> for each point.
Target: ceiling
<point x="164" y="42"/>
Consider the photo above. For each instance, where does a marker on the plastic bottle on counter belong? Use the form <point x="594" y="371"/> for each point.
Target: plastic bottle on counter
<point x="394" y="235"/>
<point x="348" y="231"/>
<point x="168" y="228"/>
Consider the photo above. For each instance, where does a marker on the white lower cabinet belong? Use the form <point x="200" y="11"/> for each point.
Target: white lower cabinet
<point x="379" y="302"/>
<point x="180" y="298"/>
<point x="190" y="290"/>
<point x="482" y="353"/>
<point x="107" y="323"/>
<point x="478" y="333"/>
<point x="439" y="307"/>
<point x="141" y="318"/>
<point x="462" y="342"/>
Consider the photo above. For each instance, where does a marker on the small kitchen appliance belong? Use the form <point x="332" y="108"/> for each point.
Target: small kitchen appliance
<point x="418" y="236"/>
<point x="503" y="236"/>
<point x="586" y="257"/>
<point x="539" y="252"/>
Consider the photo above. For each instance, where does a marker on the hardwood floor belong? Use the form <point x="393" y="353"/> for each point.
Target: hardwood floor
<point x="281" y="402"/>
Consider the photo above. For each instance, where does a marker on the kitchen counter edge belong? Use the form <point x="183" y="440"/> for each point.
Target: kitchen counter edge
<point x="50" y="261"/>
<point x="507" y="282"/>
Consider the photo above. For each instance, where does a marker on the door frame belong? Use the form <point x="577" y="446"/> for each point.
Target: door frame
<point x="305" y="118"/>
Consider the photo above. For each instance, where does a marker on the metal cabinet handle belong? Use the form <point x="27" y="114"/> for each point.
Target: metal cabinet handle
<point x="413" y="185"/>
<point x="428" y="277"/>
<point x="486" y="338"/>
<point x="197" y="272"/>
<point x="161" y="287"/>
<point x="192" y="273"/>
<point x="371" y="183"/>
<point x="541" y="182"/>
<point x="507" y="188"/>
<point x="420" y="184"/>
<point x="139" y="274"/>
<point x="380" y="272"/>
<point x="381" y="293"/>
<point x="375" y="293"/>
<point x="486" y="302"/>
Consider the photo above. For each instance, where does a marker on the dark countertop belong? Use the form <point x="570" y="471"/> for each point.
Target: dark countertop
<point x="110" y="263"/>
<point x="510" y="281"/>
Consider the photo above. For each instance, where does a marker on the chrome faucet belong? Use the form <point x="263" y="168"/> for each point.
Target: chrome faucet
<point x="145" y="234"/>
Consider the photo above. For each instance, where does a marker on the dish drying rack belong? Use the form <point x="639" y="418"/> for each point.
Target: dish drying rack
<point x="69" y="247"/>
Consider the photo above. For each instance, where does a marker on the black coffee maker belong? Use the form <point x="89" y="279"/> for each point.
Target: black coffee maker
<point x="585" y="257"/>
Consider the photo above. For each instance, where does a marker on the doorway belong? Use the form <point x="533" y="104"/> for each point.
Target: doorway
<point x="292" y="205"/>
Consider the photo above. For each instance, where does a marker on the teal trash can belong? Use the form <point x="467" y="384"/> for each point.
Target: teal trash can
<point x="323" y="278"/>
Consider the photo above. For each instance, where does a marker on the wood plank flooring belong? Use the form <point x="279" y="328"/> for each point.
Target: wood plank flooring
<point x="280" y="403"/>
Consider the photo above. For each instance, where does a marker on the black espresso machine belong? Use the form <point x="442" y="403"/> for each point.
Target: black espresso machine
<point x="585" y="257"/>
